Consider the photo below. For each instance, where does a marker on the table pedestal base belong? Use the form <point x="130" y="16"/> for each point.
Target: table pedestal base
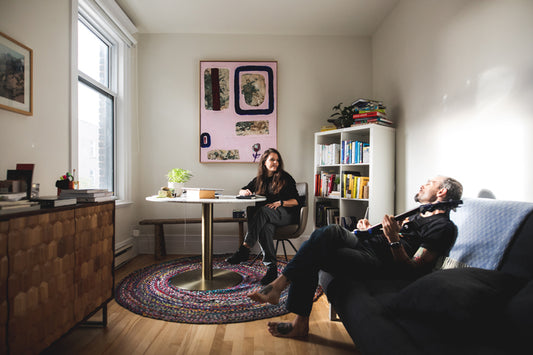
<point x="192" y="280"/>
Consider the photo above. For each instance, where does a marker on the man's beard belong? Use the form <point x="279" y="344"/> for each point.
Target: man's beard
<point x="431" y="200"/>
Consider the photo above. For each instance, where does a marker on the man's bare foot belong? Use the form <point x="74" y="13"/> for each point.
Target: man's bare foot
<point x="267" y="294"/>
<point x="271" y="292"/>
<point x="288" y="330"/>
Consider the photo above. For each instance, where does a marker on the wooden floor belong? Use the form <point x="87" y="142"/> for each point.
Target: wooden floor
<point x="128" y="333"/>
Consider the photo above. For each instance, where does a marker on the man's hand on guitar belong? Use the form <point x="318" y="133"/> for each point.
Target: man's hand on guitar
<point x="363" y="224"/>
<point x="391" y="228"/>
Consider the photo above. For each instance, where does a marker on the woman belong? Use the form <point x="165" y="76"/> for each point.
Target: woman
<point x="279" y="209"/>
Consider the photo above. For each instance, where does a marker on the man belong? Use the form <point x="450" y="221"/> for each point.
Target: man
<point x="406" y="251"/>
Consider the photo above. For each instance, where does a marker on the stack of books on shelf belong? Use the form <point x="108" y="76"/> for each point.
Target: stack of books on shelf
<point x="7" y="207"/>
<point x="355" y="152"/>
<point x="326" y="214"/>
<point x="87" y="195"/>
<point x="370" y="111"/>
<point x="355" y="186"/>
<point x="329" y="153"/>
<point x="326" y="185"/>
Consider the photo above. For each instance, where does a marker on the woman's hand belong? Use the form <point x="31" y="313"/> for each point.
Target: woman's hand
<point x="274" y="205"/>
<point x="245" y="192"/>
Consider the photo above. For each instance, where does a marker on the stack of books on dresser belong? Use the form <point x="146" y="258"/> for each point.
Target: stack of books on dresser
<point x="8" y="207"/>
<point x="88" y="195"/>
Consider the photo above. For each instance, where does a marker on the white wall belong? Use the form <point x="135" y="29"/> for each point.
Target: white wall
<point x="314" y="74"/>
<point x="457" y="75"/>
<point x="43" y="138"/>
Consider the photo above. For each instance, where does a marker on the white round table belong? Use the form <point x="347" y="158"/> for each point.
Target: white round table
<point x="207" y="278"/>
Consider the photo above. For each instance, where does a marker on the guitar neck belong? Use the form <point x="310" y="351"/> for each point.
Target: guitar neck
<point x="399" y="217"/>
<point x="447" y="205"/>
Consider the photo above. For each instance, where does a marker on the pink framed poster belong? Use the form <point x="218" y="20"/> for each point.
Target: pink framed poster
<point x="238" y="115"/>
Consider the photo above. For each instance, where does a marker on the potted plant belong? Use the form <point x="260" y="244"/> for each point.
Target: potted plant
<point x="344" y="115"/>
<point x="176" y="178"/>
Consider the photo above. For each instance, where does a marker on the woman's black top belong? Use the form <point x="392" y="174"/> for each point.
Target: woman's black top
<point x="287" y="192"/>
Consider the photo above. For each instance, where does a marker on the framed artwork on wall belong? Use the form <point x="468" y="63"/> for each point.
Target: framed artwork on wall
<point x="16" y="70"/>
<point x="238" y="110"/>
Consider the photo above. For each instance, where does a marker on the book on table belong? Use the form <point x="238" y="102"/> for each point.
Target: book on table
<point x="200" y="192"/>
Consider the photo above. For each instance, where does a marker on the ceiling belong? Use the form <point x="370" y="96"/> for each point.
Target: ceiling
<point x="272" y="17"/>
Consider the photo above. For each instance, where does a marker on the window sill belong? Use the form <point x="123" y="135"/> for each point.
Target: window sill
<point x="123" y="203"/>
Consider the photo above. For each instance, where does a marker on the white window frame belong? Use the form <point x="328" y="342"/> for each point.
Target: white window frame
<point x="109" y="19"/>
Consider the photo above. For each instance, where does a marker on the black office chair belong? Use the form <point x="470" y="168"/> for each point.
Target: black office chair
<point x="291" y="231"/>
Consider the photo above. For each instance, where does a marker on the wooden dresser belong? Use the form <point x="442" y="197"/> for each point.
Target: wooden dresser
<point x="56" y="270"/>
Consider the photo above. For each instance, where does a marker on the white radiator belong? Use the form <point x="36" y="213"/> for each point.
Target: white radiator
<point x="124" y="252"/>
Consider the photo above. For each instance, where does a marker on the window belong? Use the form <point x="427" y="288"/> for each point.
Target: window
<point x="96" y="109"/>
<point x="101" y="99"/>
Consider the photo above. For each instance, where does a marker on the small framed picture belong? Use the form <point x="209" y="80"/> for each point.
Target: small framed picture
<point x="16" y="70"/>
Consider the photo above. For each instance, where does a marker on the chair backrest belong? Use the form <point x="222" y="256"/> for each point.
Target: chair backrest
<point x="302" y="193"/>
<point x="292" y="231"/>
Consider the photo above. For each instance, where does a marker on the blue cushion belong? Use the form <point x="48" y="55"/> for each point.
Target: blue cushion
<point x="485" y="227"/>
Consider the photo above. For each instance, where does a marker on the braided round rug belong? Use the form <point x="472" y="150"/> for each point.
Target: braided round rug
<point x="148" y="292"/>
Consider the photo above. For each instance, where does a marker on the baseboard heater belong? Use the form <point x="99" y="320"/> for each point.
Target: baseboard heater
<point x="123" y="255"/>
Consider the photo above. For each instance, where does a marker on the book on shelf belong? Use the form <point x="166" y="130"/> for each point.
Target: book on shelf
<point x="366" y="154"/>
<point x="54" y="201"/>
<point x="352" y="151"/>
<point x="329" y="153"/>
<point x="368" y="104"/>
<point x="369" y="114"/>
<point x="327" y="128"/>
<point x="326" y="184"/>
<point x="376" y="120"/>
<point x="325" y="214"/>
<point x="363" y="183"/>
<point x="354" y="186"/>
<point x="332" y="215"/>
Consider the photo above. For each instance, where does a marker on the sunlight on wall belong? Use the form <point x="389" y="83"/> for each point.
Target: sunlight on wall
<point x="487" y="148"/>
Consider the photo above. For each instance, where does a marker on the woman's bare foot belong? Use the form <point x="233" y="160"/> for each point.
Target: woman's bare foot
<point x="271" y="292"/>
<point x="298" y="328"/>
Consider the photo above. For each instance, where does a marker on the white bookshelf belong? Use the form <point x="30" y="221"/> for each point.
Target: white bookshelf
<point x="380" y="169"/>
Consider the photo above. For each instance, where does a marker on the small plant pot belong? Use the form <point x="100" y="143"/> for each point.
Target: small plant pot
<point x="176" y="188"/>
